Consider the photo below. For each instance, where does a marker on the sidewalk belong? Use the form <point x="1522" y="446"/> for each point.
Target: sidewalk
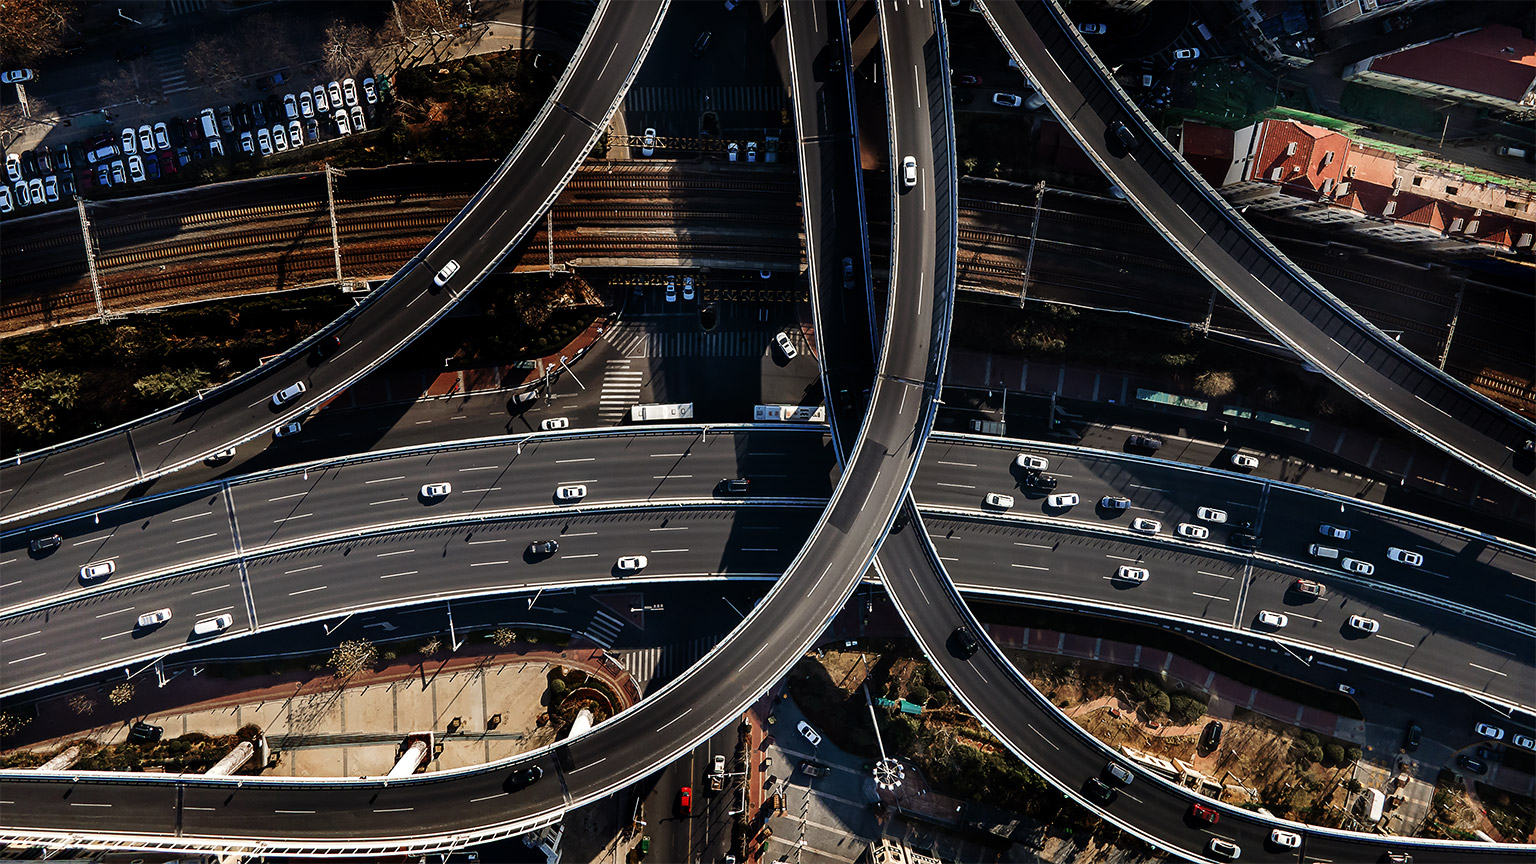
<point x="401" y="387"/>
<point x="321" y="728"/>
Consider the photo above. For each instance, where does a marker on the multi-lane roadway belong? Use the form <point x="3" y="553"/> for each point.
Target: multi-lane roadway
<point x="1468" y="597"/>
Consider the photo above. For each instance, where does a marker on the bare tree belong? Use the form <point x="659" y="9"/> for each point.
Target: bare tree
<point x="348" y="48"/>
<point x="215" y="61"/>
<point x="352" y="657"/>
<point x="32" y="29"/>
<point x="418" y="23"/>
<point x="266" y="44"/>
<point x="135" y="82"/>
<point x="121" y="694"/>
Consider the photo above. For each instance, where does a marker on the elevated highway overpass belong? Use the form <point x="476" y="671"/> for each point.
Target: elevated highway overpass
<point x="1247" y="269"/>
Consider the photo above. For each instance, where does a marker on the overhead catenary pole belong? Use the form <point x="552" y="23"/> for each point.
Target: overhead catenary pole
<point x="1034" y="230"/>
<point x="90" y="258"/>
<point x="330" y="203"/>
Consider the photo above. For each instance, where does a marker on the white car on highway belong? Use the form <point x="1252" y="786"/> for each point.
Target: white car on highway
<point x="155" y="618"/>
<point x="288" y="393"/>
<point x="555" y="423"/>
<point x="445" y="274"/>
<point x="1114" y="502"/>
<point x="574" y="492"/>
<point x="1031" y="463"/>
<point x="1244" y="461"/>
<point x="1285" y="839"/>
<point x="1335" y="532"/>
<point x="648" y="148"/>
<point x="908" y="171"/>
<point x="293" y="428"/>
<point x="1211" y="514"/>
<point x="631" y="563"/>
<point x="1362" y="567"/>
<point x="1001" y="502"/>
<point x="1132" y="574"/>
<point x="1146" y="526"/>
<point x="1404" y="556"/>
<point x="1193" y="532"/>
<point x="1272" y="619"/>
<point x="213" y="625"/>
<point x="1062" y="501"/>
<point x="436" y="490"/>
<point x="98" y="570"/>
<point x="1364" y="624"/>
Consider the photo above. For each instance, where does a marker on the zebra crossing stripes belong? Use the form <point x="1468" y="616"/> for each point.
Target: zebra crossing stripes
<point x="728" y="343"/>
<point x="172" y="69"/>
<point x="741" y="97"/>
<point x="186" y="7"/>
<point x="620" y="389"/>
<point x="628" y="339"/>
<point x="601" y="630"/>
<point x="652" y="668"/>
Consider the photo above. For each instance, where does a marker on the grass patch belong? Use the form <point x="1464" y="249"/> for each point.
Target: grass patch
<point x="1156" y="637"/>
<point x="72" y="381"/>
<point x="1184" y="356"/>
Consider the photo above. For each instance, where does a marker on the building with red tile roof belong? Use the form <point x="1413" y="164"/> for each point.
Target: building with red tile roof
<point x="1311" y="174"/>
<point x="1493" y="65"/>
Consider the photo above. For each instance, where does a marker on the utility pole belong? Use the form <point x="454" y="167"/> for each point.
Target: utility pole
<point x="1034" y="230"/>
<point x="90" y="258"/>
<point x="330" y="202"/>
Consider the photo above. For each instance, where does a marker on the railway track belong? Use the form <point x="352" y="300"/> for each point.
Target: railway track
<point x="626" y="210"/>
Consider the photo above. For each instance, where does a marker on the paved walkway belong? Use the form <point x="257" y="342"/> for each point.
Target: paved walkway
<point x="401" y="387"/>
<point x="323" y="728"/>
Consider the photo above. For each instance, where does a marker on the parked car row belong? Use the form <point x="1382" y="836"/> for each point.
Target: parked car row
<point x="155" y="151"/>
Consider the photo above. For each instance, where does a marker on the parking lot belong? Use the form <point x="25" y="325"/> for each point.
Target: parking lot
<point x="290" y="117"/>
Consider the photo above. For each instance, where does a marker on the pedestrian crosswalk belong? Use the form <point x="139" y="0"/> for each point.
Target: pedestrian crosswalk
<point x="742" y="97"/>
<point x="620" y="389"/>
<point x="601" y="630"/>
<point x="637" y="342"/>
<point x="186" y="7"/>
<point x="172" y="69"/>
<point x="652" y="668"/>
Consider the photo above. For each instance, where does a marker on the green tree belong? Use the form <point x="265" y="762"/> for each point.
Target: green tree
<point x="1184" y="709"/>
<point x="172" y="385"/>
<point x="33" y="404"/>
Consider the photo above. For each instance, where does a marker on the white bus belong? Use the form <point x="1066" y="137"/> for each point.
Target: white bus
<point x="662" y="411"/>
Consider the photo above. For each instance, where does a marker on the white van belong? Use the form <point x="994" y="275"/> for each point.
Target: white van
<point x="1320" y="551"/>
<point x="212" y="625"/>
<point x="210" y="124"/>
<point x="1515" y="152"/>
